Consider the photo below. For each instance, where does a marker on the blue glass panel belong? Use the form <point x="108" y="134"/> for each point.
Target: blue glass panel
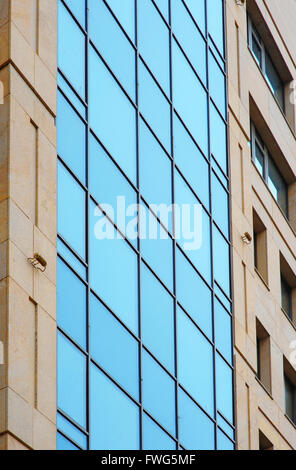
<point x="157" y="247"/>
<point x="158" y="393"/>
<point x="107" y="184"/>
<point x="71" y="38"/>
<point x="155" y="172"/>
<point x="71" y="95"/>
<point x="154" y="47"/>
<point x="113" y="44"/>
<point x="197" y="431"/>
<point x="114" y="418"/>
<point x="70" y="430"/>
<point x="193" y="294"/>
<point x="154" y="438"/>
<point x="190" y="38"/>
<point x="217" y="84"/>
<point x="113" y="269"/>
<point x="163" y="5"/>
<point x="154" y="106"/>
<point x="71" y="211"/>
<point x="197" y="9"/>
<point x="225" y="426"/>
<point x="223" y="331"/>
<point x="64" y="444"/>
<point x="78" y="9"/>
<point x="112" y="116"/>
<point x="71" y="380"/>
<point x="224" y="389"/>
<point x="114" y="348"/>
<point x="220" y="207"/>
<point x="216" y="23"/>
<point x="221" y="261"/>
<point x="222" y="297"/>
<point x="195" y="362"/>
<point x="157" y="319"/>
<point x="71" y="304"/>
<point x="191" y="162"/>
<point x="216" y="54"/>
<point x="190" y="99"/>
<point x="218" y="139"/>
<point x="223" y="442"/>
<point x="64" y="251"/>
<point x="194" y="227"/>
<point x="219" y="173"/>
<point x="71" y="138"/>
<point x="125" y="13"/>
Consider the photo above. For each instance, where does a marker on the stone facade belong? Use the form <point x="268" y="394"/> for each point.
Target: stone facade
<point x="250" y="98"/>
<point x="28" y="62"/>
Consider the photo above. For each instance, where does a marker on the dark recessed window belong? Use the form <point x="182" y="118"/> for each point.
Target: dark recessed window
<point x="269" y="170"/>
<point x="266" y="64"/>
<point x="286" y="294"/>
<point x="264" y="442"/>
<point x="263" y="356"/>
<point x="290" y="399"/>
<point x="260" y="247"/>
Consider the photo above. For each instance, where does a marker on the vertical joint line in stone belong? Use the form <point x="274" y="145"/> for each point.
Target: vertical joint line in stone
<point x="245" y="294"/>
<point x="1" y="353"/>
<point x="35" y="25"/>
<point x="238" y="59"/>
<point x="36" y="172"/>
<point x="249" y="416"/>
<point x="35" y="353"/>
<point x="242" y="178"/>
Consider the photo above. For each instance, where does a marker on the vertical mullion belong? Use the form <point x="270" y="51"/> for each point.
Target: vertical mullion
<point x="87" y="224"/>
<point x="139" y="241"/>
<point x="174" y="228"/>
<point x="211" y="224"/>
<point x="230" y="224"/>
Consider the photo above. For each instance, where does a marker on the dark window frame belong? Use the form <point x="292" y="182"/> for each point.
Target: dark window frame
<point x="257" y="141"/>
<point x="254" y="36"/>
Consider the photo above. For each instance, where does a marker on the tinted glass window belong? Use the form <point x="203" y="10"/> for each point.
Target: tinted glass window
<point x="193" y="348"/>
<point x="71" y="38"/>
<point x="114" y="417"/>
<point x="189" y="36"/>
<point x="158" y="393"/>
<point x="71" y="211"/>
<point x="125" y="13"/>
<point x="154" y="438"/>
<point x="71" y="138"/>
<point x="112" y="43"/>
<point x="112" y="116"/>
<point x="157" y="319"/>
<point x="197" y="431"/>
<point x="191" y="162"/>
<point x="113" y="269"/>
<point x="71" y="303"/>
<point x="154" y="106"/>
<point x="154" y="48"/>
<point x="71" y="380"/>
<point x="113" y="348"/>
<point x="191" y="287"/>
<point x="189" y="96"/>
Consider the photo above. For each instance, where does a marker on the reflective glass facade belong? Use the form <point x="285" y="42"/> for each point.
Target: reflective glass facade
<point x="145" y="325"/>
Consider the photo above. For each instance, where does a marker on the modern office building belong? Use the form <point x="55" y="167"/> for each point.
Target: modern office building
<point x="148" y="217"/>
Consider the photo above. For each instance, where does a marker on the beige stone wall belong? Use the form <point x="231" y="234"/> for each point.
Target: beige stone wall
<point x="28" y="223"/>
<point x="256" y="408"/>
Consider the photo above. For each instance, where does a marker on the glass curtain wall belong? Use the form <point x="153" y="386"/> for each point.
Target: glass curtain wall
<point x="144" y="324"/>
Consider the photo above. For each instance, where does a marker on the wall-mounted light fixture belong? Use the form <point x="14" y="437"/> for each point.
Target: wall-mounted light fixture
<point x="247" y="238"/>
<point x="240" y="2"/>
<point x="38" y="262"/>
